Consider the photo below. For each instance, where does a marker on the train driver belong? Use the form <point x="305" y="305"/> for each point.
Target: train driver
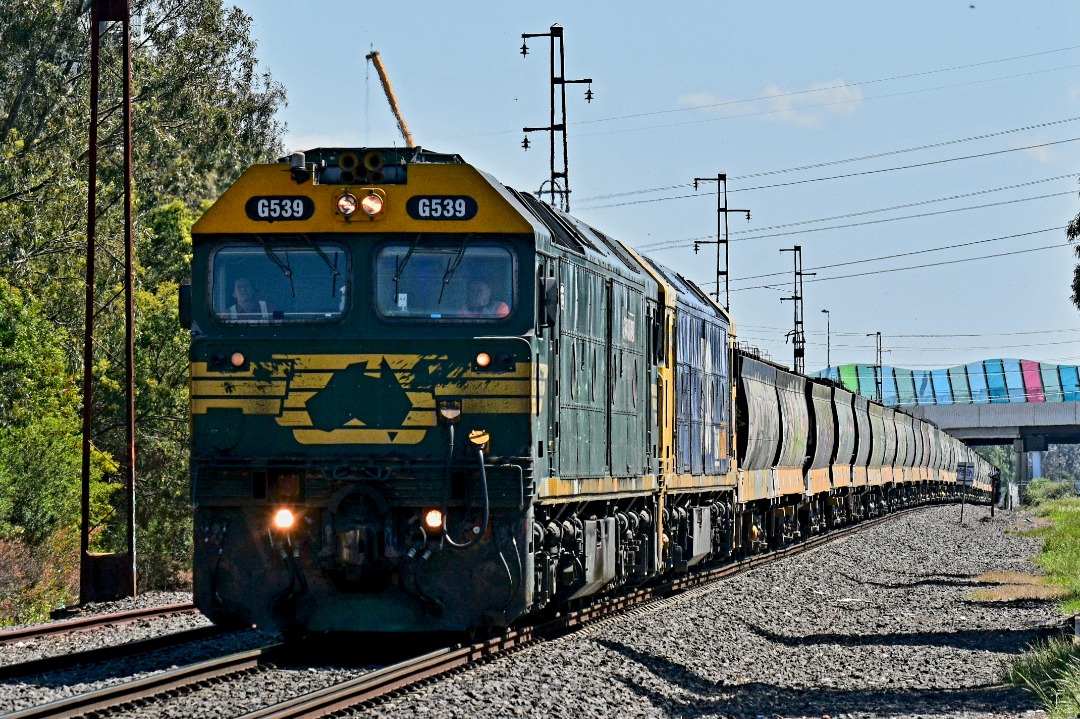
<point x="478" y="302"/>
<point x="247" y="307"/>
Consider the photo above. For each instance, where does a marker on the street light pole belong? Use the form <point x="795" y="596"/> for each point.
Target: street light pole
<point x="828" y="340"/>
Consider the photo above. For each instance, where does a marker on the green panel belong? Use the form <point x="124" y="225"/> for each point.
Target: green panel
<point x="960" y="390"/>
<point x="849" y="377"/>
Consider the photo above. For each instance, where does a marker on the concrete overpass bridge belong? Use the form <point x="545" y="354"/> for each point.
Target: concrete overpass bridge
<point x="1027" y="404"/>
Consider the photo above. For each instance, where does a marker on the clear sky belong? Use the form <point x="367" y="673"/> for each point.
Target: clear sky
<point x="923" y="154"/>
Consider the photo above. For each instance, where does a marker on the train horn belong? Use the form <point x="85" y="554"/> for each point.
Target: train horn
<point x="348" y="161"/>
<point x="374" y="161"/>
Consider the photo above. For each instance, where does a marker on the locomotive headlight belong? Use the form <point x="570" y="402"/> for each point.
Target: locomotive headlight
<point x="483" y="359"/>
<point x="433" y="520"/>
<point x="346" y="204"/>
<point x="449" y="410"/>
<point x="237" y="359"/>
<point x="372" y="203"/>
<point x="284" y="519"/>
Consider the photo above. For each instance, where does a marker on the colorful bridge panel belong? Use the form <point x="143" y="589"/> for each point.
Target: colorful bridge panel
<point x="980" y="392"/>
<point x="1033" y="385"/>
<point x="1051" y="381"/>
<point x="924" y="386"/>
<point x="867" y="380"/>
<point x="1070" y="383"/>
<point x="1014" y="380"/>
<point x="995" y="381"/>
<point x="889" y="394"/>
<point x="961" y="392"/>
<point x="849" y="377"/>
<point x="905" y="387"/>
<point x="942" y="390"/>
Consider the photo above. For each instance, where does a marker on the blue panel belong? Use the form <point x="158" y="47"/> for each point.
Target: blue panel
<point x="995" y="381"/>
<point x="889" y="394"/>
<point x="905" y="387"/>
<point x="980" y="393"/>
<point x="867" y="380"/>
<point x="942" y="390"/>
<point x="1070" y="383"/>
<point x="924" y="390"/>
<point x="1014" y="380"/>
<point x="832" y="373"/>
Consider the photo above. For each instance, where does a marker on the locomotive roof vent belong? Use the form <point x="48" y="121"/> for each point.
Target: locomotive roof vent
<point x="361" y="165"/>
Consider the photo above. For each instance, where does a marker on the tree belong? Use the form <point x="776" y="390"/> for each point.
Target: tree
<point x="201" y="113"/>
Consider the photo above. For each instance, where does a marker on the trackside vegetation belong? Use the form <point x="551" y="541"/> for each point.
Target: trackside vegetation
<point x="1051" y="670"/>
<point x="202" y="112"/>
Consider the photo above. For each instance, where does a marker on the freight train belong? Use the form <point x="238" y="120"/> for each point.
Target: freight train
<point x="423" y="401"/>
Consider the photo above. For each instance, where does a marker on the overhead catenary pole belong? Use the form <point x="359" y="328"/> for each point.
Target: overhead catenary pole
<point x="722" y="211"/>
<point x="828" y="340"/>
<point x="555" y="188"/>
<point x="798" y="333"/>
<point x="877" y="364"/>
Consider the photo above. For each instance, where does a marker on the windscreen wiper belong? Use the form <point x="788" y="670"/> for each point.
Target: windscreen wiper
<point x="285" y="266"/>
<point x="331" y="265"/>
<point x="405" y="259"/>
<point x="451" y="267"/>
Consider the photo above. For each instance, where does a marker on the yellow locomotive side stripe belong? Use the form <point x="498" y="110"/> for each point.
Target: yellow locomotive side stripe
<point x="511" y="388"/>
<point x="496" y="405"/>
<point x="333" y="362"/>
<point x="243" y="388"/>
<point x="298" y="399"/>
<point x="555" y="487"/>
<point x="310" y="380"/>
<point x="294" y="418"/>
<point x="248" y="406"/>
<point x="359" y="436"/>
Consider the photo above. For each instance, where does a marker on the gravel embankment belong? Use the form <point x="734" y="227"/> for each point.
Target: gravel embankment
<point x="875" y="625"/>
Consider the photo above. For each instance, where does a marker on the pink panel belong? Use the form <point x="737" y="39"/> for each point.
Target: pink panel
<point x="1033" y="387"/>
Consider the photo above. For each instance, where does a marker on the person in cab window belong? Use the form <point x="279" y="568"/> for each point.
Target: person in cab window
<point x="478" y="302"/>
<point x="247" y="307"/>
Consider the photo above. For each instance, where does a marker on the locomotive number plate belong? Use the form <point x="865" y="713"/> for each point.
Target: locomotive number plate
<point x="279" y="208"/>
<point x="441" y="207"/>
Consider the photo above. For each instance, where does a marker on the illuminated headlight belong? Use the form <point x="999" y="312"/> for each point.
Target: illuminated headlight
<point x="433" y="520"/>
<point x="483" y="359"/>
<point x="237" y="359"/>
<point x="371" y="204"/>
<point x="450" y="410"/>
<point x="284" y="519"/>
<point x="346" y="204"/>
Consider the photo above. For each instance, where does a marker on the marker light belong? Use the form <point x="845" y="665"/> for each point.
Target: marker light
<point x="237" y="359"/>
<point x="284" y="519"/>
<point x="346" y="204"/>
<point x="433" y="520"/>
<point x="483" y="359"/>
<point x="371" y="204"/>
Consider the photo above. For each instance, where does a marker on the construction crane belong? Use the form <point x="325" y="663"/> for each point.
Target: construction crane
<point x="391" y="98"/>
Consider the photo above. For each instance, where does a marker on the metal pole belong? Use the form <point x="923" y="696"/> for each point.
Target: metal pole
<point x="722" y="210"/>
<point x="88" y="337"/>
<point x="129" y="292"/>
<point x="828" y="340"/>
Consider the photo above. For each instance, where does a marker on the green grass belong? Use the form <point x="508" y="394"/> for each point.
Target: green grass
<point x="1051" y="669"/>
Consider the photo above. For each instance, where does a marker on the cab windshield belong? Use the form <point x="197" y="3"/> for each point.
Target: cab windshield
<point x="270" y="282"/>
<point x="462" y="281"/>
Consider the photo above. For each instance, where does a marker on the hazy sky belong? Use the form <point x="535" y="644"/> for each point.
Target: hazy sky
<point x="923" y="154"/>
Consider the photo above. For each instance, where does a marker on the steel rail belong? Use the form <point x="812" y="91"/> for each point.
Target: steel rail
<point x="69" y="660"/>
<point x="10" y="636"/>
<point x="111" y="698"/>
<point x="379" y="683"/>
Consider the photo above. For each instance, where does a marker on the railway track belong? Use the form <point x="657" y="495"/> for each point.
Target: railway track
<point x="66" y="626"/>
<point x="370" y="687"/>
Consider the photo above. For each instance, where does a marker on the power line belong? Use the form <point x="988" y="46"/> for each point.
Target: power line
<point x="674" y="244"/>
<point x="844" y="176"/>
<point x="831" y="87"/>
<point x="875" y="156"/>
<point x="924" y="335"/>
<point x="916" y="267"/>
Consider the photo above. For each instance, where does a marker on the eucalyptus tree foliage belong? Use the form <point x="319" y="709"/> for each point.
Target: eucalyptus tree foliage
<point x="202" y="112"/>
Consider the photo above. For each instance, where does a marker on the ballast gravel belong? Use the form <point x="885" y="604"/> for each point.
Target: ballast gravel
<point x="878" y="624"/>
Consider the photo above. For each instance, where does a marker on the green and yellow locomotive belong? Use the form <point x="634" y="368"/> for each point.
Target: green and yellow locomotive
<point x="423" y="401"/>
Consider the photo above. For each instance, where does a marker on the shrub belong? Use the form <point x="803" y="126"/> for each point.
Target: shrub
<point x="1041" y="490"/>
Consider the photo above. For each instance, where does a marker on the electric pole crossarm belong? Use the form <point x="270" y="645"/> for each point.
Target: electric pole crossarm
<point x="722" y="211"/>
